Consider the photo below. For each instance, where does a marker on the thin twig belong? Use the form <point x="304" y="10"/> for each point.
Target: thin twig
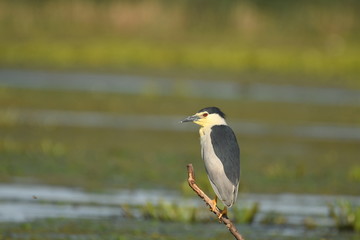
<point x="208" y="201"/>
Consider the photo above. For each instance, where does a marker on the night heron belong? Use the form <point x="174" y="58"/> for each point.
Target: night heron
<point x="221" y="154"/>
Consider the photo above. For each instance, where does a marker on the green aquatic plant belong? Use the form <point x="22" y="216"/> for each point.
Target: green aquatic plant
<point x="345" y="214"/>
<point x="169" y="212"/>
<point x="247" y="214"/>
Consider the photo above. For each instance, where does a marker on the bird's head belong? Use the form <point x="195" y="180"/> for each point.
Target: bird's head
<point x="207" y="117"/>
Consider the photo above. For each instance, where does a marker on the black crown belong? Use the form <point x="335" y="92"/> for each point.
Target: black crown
<point x="211" y="110"/>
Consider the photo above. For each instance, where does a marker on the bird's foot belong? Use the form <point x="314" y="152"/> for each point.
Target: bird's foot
<point x="223" y="213"/>
<point x="214" y="202"/>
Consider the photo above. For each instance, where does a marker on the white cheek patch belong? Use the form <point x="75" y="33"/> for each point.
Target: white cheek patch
<point x="215" y="119"/>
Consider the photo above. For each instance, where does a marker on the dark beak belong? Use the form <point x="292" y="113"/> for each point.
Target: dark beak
<point x="190" y="119"/>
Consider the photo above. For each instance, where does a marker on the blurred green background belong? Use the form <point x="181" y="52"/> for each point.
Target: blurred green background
<point x="318" y="40"/>
<point x="298" y="43"/>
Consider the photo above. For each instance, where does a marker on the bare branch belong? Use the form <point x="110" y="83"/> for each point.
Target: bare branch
<point x="208" y="201"/>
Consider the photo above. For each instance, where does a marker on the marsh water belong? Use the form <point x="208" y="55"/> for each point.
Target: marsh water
<point x="27" y="203"/>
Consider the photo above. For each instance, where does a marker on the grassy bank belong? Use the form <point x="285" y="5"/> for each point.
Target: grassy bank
<point x="305" y="44"/>
<point x="228" y="59"/>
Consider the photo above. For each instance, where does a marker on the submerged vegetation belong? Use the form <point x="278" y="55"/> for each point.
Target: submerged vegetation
<point x="274" y="218"/>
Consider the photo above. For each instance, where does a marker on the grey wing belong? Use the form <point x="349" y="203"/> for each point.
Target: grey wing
<point x="227" y="150"/>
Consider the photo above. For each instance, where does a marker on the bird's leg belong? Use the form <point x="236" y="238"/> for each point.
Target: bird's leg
<point x="223" y="212"/>
<point x="213" y="208"/>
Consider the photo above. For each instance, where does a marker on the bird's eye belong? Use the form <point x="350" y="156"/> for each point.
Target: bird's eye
<point x="205" y="115"/>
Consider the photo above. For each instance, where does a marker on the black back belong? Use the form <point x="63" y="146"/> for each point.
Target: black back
<point x="227" y="150"/>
